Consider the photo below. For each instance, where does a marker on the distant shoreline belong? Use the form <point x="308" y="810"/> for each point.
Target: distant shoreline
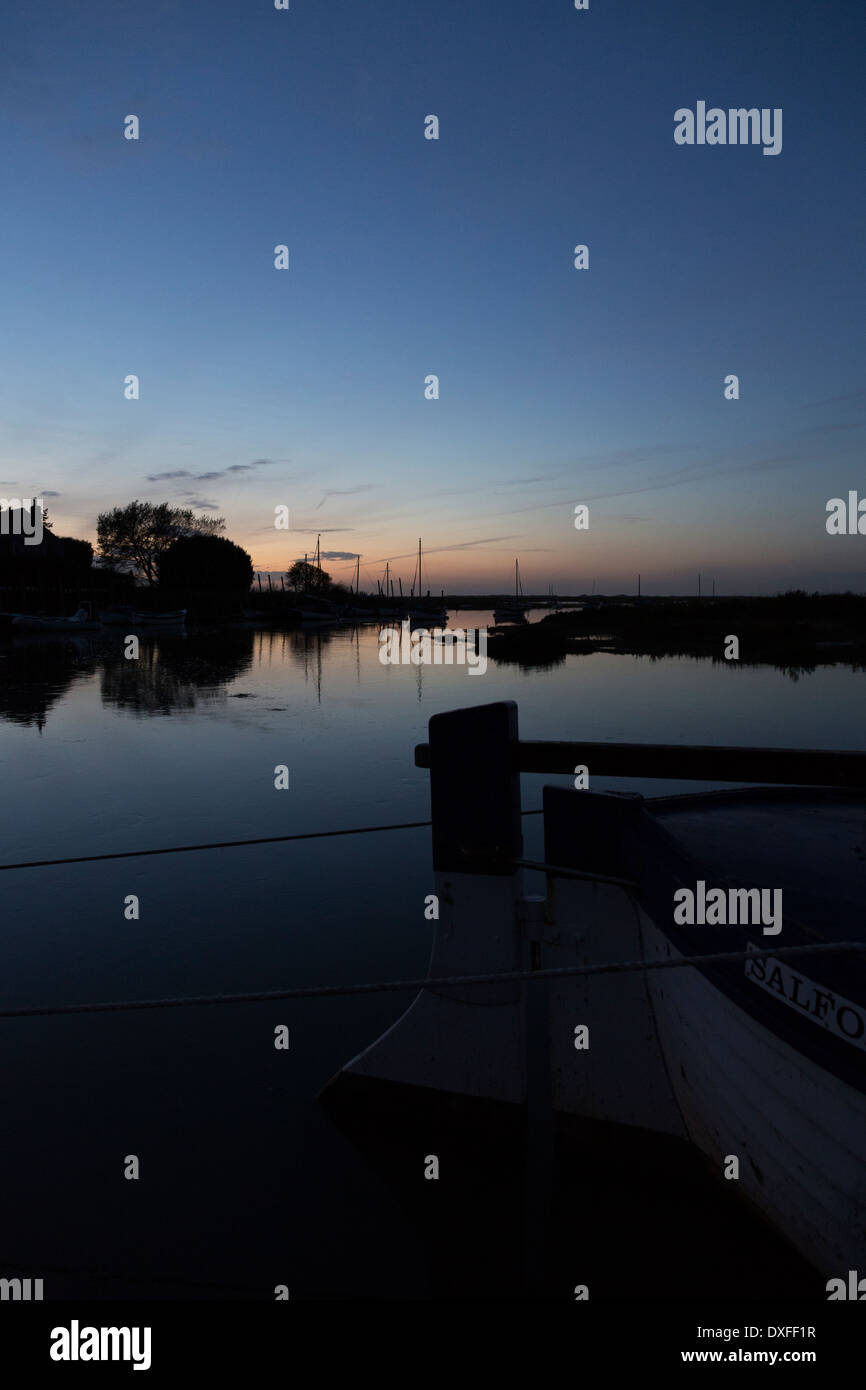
<point x="790" y="630"/>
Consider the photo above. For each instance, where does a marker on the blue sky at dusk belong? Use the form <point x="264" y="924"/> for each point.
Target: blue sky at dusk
<point x="305" y="387"/>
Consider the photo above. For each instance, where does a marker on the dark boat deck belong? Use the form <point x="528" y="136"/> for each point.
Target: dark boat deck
<point x="811" y="843"/>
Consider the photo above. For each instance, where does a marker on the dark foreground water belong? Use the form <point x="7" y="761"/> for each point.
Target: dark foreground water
<point x="244" y="1182"/>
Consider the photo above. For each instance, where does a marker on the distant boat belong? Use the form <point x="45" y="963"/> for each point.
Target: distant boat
<point x="427" y="617"/>
<point x="423" y="613"/>
<point x="312" y="611"/>
<point x="135" y="617"/>
<point x="359" y="615"/>
<point x="512" y="611"/>
<point x="81" y="621"/>
<point x="312" y="620"/>
<point x="174" y="618"/>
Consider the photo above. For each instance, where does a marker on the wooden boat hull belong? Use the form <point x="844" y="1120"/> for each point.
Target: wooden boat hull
<point x="764" y="1062"/>
<point x="710" y="1055"/>
<point x="798" y="1132"/>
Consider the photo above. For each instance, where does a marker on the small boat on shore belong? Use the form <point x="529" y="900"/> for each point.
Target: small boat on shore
<point x="138" y="618"/>
<point x="30" y="623"/>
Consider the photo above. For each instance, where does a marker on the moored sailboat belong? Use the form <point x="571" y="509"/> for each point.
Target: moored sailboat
<point x="512" y="611"/>
<point x="424" y="612"/>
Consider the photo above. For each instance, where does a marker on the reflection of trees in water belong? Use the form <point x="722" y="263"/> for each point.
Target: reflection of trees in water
<point x="792" y="669"/>
<point x="173" y="672"/>
<point x="543" y="657"/>
<point x="34" y="675"/>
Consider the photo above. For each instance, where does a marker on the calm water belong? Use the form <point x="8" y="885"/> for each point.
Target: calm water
<point x="244" y="1184"/>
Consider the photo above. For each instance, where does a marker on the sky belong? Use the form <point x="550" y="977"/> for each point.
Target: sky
<point x="305" y="387"/>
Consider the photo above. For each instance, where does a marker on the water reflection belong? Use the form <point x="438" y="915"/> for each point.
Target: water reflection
<point x="174" y="673"/>
<point x="35" y="675"/>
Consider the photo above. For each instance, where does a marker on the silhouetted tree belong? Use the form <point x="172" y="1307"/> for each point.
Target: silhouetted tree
<point x="308" y="578"/>
<point x="205" y="562"/>
<point x="72" y="556"/>
<point x="132" y="538"/>
<point x="53" y="560"/>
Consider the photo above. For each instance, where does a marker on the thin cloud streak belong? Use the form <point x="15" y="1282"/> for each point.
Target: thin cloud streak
<point x="209" y="476"/>
<point x="346" y="492"/>
<point x="440" y="549"/>
<point x="680" y="478"/>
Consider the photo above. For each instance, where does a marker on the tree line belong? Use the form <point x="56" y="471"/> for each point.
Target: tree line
<point x="143" y="543"/>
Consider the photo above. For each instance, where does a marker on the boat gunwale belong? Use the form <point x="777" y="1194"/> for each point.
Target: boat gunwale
<point x="644" y="848"/>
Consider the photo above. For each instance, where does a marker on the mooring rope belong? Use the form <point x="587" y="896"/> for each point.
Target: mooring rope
<point x="228" y="844"/>
<point x="557" y="871"/>
<point x="427" y="982"/>
<point x="216" y="844"/>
